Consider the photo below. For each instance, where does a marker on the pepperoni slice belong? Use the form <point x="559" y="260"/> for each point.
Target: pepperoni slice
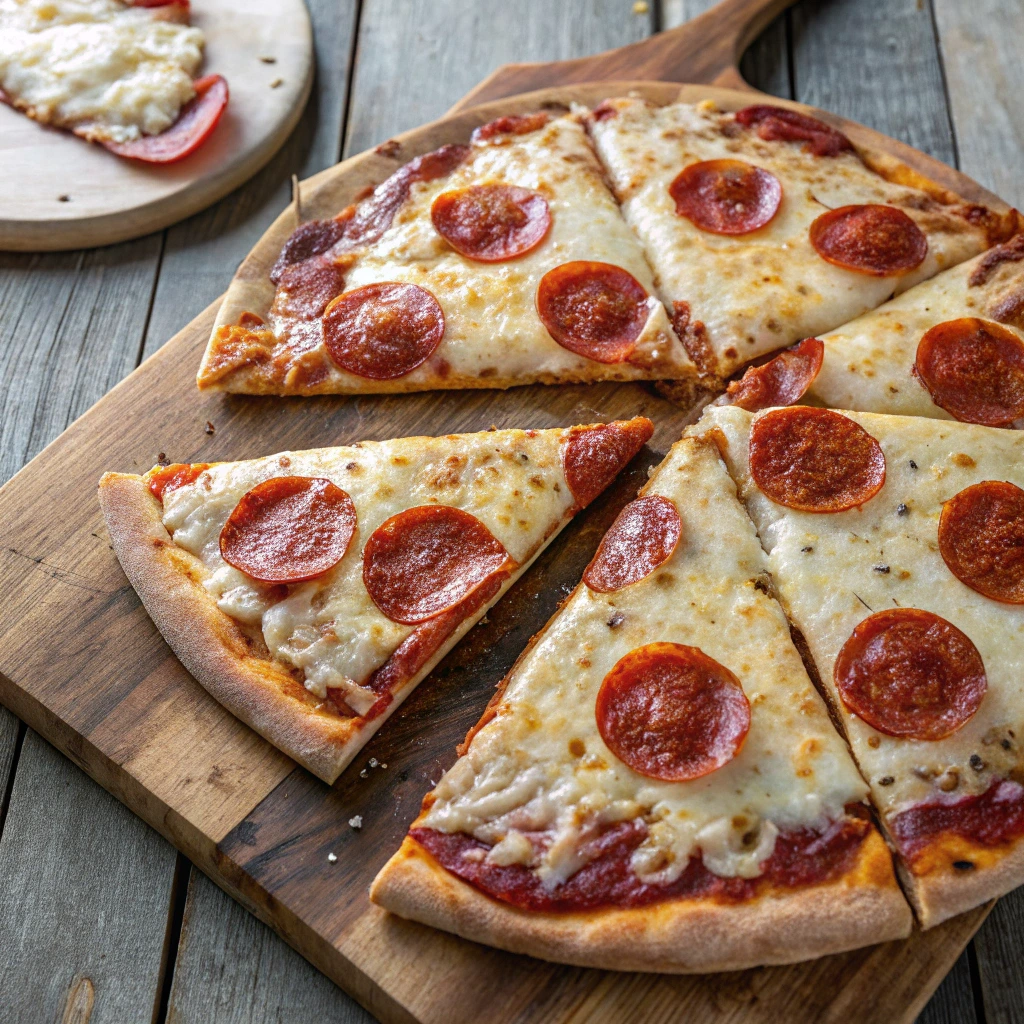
<point x="643" y="536"/>
<point x="777" y="124"/>
<point x="782" y="381"/>
<point x="672" y="713"/>
<point x="910" y="673"/>
<point x="511" y="124"/>
<point x="593" y="456"/>
<point x="596" y="310"/>
<point x="427" y="559"/>
<point x="383" y="331"/>
<point x="974" y="369"/>
<point x="195" y="122"/>
<point x="726" y="197"/>
<point x="170" y="478"/>
<point x="491" y="223"/>
<point x="981" y="539"/>
<point x="815" y="460"/>
<point x="289" y="529"/>
<point x="869" y="239"/>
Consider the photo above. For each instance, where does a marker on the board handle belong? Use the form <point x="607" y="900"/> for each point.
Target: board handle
<point x="706" y="49"/>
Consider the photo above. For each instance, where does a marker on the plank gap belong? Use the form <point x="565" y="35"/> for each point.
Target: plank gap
<point x="350" y="77"/>
<point x="976" y="989"/>
<point x="5" y="802"/>
<point x="941" y="57"/>
<point x="172" y="939"/>
<point x="143" y="334"/>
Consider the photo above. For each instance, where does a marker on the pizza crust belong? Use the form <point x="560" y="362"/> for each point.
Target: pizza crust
<point x="229" y="663"/>
<point x="941" y="891"/>
<point x="675" y="937"/>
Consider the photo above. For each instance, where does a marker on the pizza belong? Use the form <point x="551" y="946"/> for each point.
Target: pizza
<point x="656" y="784"/>
<point x="501" y="262"/>
<point x="310" y="592"/>
<point x="949" y="348"/>
<point x="896" y="545"/>
<point x="117" y="73"/>
<point x="765" y="226"/>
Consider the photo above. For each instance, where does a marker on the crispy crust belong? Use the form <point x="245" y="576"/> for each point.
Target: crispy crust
<point x="677" y="937"/>
<point x="939" y="891"/>
<point x="229" y="663"/>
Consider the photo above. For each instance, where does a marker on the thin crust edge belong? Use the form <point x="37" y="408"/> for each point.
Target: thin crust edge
<point x="676" y="937"/>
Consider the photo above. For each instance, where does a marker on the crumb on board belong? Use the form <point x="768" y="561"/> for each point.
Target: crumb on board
<point x="332" y="858"/>
<point x="356" y="822"/>
<point x="209" y="428"/>
<point x="268" y="60"/>
<point x="277" y="83"/>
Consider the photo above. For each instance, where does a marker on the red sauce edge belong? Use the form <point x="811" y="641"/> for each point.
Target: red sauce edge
<point x="802" y="857"/>
<point x="988" y="819"/>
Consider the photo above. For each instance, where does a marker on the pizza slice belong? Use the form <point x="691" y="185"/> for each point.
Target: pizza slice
<point x="310" y="592"/>
<point x="501" y="262"/>
<point x="897" y="547"/>
<point x="117" y="73"/>
<point x="949" y="348"/>
<point x="656" y="786"/>
<point x="766" y="226"/>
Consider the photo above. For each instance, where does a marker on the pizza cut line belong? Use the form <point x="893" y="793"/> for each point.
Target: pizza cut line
<point x="896" y="546"/>
<point x="310" y="592"/>
<point x="657" y="784"/>
<point x="119" y="73"/>
<point x="510" y="261"/>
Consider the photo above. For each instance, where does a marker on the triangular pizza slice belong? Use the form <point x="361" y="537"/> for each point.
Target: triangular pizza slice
<point x="949" y="348"/>
<point x="765" y="226"/>
<point x="505" y="261"/>
<point x="310" y="592"/>
<point x="657" y="785"/>
<point x="896" y="545"/>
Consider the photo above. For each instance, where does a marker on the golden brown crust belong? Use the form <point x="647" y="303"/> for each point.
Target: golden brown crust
<point x="952" y="875"/>
<point x="678" y="937"/>
<point x="231" y="665"/>
<point x="211" y="645"/>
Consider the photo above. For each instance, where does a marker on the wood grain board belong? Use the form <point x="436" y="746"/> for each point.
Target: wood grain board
<point x="261" y="828"/>
<point x="62" y="193"/>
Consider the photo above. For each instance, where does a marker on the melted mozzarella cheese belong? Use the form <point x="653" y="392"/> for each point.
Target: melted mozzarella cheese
<point x="834" y="570"/>
<point x="110" y="70"/>
<point x="492" y="328"/>
<point x="541" y="763"/>
<point x="766" y="289"/>
<point x="329" y="627"/>
<point x="869" y="362"/>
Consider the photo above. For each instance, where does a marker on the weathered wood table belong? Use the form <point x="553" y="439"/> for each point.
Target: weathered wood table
<point x="101" y="922"/>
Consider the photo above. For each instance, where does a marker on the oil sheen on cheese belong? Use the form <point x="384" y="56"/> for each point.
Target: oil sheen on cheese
<point x="328" y="627"/>
<point x="541" y="765"/>
<point x="111" y="71"/>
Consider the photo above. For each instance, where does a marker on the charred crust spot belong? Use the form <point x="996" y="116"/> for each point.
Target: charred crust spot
<point x="886" y="780"/>
<point x="1010" y="252"/>
<point x="963" y="865"/>
<point x="616" y="620"/>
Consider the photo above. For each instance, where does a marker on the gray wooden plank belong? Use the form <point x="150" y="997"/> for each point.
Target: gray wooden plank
<point x="979" y="43"/>
<point x="953" y="1001"/>
<point x="71" y="330"/>
<point x="202" y="253"/>
<point x="86" y="889"/>
<point x="877" y="62"/>
<point x="415" y="58"/>
<point x="249" y="976"/>
<point x="998" y="946"/>
<point x="765" y="65"/>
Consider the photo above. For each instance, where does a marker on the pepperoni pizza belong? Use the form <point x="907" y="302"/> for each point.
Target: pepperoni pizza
<point x="310" y="592"/>
<point x="766" y="226"/>
<point x="950" y="348"/>
<point x="501" y="262"/>
<point x="897" y="547"/>
<point x="657" y="784"/>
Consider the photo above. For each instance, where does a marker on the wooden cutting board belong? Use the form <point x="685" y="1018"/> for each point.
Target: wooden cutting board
<point x="62" y="193"/>
<point x="83" y="665"/>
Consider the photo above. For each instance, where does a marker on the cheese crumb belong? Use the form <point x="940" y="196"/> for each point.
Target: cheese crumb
<point x="356" y="822"/>
<point x="332" y="858"/>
